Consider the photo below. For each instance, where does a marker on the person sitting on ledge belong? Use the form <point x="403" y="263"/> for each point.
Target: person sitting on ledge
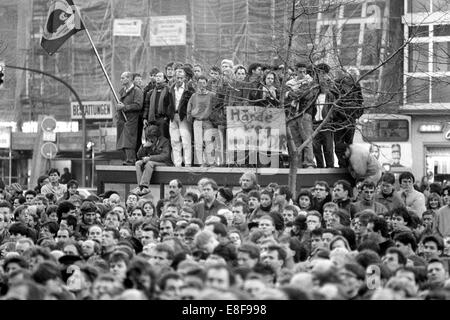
<point x="155" y="152"/>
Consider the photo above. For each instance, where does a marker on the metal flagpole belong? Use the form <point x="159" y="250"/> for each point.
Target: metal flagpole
<point x="10" y="155"/>
<point x="99" y="60"/>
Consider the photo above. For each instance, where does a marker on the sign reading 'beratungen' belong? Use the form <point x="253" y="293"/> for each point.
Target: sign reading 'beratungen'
<point x="93" y="110"/>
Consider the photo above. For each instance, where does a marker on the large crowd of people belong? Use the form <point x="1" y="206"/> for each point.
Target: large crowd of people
<point x="187" y="103"/>
<point x="376" y="240"/>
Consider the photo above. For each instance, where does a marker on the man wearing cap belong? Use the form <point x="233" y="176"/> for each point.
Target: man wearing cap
<point x="155" y="152"/>
<point x="88" y="218"/>
<point x="15" y="190"/>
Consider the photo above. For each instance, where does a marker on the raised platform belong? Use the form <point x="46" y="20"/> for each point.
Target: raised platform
<point x="222" y="175"/>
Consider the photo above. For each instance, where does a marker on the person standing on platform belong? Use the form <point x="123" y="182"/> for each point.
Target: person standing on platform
<point x="180" y="128"/>
<point x="129" y="106"/>
<point x="137" y="81"/>
<point x="198" y="113"/>
<point x="155" y="104"/>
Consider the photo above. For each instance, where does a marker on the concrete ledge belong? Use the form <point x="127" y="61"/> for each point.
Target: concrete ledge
<point x="222" y="175"/>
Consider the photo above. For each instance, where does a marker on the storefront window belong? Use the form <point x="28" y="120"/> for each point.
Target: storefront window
<point x="386" y="130"/>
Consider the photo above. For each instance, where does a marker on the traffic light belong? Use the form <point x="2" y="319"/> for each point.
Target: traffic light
<point x="2" y="74"/>
<point x="89" y="149"/>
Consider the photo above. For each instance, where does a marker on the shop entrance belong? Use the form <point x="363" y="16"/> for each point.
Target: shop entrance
<point x="437" y="160"/>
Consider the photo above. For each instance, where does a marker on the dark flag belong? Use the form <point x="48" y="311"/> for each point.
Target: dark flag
<point x="63" y="21"/>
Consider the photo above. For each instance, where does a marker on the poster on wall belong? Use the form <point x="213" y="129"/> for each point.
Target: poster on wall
<point x="396" y="154"/>
<point x="168" y="31"/>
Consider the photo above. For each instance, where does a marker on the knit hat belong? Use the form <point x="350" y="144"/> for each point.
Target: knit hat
<point x="16" y="187"/>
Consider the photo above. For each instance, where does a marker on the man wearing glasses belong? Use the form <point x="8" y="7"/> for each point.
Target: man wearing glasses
<point x="321" y="195"/>
<point x="413" y="199"/>
<point x="387" y="194"/>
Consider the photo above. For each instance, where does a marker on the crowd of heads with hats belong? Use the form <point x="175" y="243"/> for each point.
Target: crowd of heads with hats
<point x="337" y="241"/>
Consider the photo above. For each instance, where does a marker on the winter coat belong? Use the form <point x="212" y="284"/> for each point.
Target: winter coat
<point x="363" y="165"/>
<point x="127" y="130"/>
<point x="159" y="151"/>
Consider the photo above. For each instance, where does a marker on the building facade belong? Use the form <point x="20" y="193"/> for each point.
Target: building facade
<point x="426" y="76"/>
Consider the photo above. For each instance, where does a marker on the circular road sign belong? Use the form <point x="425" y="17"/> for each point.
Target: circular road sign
<point x="48" y="124"/>
<point x="49" y="150"/>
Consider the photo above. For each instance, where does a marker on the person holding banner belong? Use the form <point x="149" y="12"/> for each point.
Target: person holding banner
<point x="130" y="104"/>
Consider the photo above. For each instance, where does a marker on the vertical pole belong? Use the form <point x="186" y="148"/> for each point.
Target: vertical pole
<point x="83" y="121"/>
<point x="10" y="155"/>
<point x="93" y="167"/>
<point x="83" y="148"/>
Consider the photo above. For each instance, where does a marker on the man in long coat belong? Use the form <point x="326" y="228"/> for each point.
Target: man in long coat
<point x="131" y="98"/>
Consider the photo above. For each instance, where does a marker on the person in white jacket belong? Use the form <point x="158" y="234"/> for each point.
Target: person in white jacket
<point x="362" y="164"/>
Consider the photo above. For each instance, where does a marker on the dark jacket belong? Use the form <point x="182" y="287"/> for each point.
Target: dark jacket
<point x="182" y="108"/>
<point x="308" y="100"/>
<point x="202" y="212"/>
<point x="127" y="131"/>
<point x="155" y="106"/>
<point x="350" y="102"/>
<point x="159" y="151"/>
<point x="345" y="204"/>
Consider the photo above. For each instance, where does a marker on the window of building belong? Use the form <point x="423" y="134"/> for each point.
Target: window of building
<point x="428" y="56"/>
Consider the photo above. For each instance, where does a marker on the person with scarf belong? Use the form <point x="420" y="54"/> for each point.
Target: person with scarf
<point x="154" y="105"/>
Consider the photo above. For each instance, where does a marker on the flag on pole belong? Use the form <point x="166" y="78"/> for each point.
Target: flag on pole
<point x="63" y="21"/>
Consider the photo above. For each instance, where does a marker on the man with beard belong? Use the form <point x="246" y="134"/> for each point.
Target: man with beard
<point x="155" y="152"/>
<point x="89" y="248"/>
<point x="112" y="220"/>
<point x="248" y="183"/>
<point x="175" y="196"/>
<point x="210" y="205"/>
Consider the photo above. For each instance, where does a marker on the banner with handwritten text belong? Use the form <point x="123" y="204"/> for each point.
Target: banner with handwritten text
<point x="258" y="129"/>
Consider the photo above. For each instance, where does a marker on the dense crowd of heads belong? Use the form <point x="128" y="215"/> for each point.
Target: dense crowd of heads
<point x="389" y="240"/>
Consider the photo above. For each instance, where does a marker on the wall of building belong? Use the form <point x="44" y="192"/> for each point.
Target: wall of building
<point x="421" y="140"/>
